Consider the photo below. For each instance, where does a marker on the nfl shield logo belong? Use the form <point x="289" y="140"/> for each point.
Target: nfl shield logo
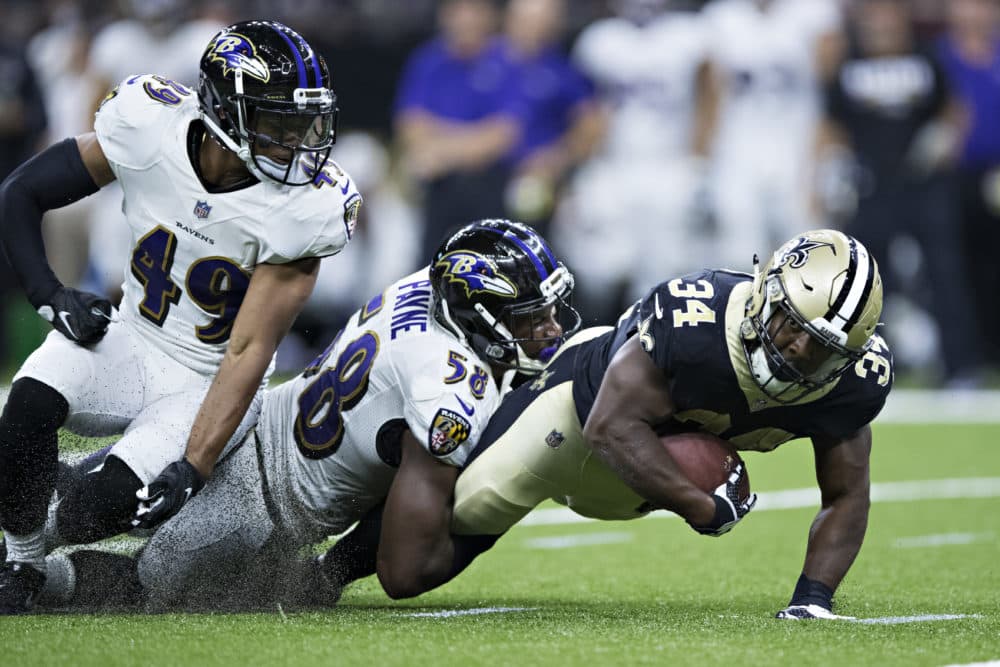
<point x="202" y="209"/>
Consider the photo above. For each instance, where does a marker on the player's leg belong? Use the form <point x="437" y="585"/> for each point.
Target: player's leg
<point x="532" y="449"/>
<point x="92" y="580"/>
<point x="102" y="502"/>
<point x="60" y="383"/>
<point x="207" y="549"/>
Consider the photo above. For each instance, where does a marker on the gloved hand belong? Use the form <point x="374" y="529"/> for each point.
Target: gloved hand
<point x="80" y="316"/>
<point x="799" y="612"/>
<point x="728" y="507"/>
<point x="164" y="496"/>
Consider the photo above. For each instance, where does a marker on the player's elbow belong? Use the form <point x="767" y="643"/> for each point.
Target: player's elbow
<point x="399" y="581"/>
<point x="599" y="434"/>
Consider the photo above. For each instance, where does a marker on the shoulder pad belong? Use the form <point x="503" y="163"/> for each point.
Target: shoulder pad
<point x="134" y="117"/>
<point x="325" y="214"/>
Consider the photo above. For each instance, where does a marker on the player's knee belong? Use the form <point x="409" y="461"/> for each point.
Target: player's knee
<point x="33" y="410"/>
<point x="100" y="504"/>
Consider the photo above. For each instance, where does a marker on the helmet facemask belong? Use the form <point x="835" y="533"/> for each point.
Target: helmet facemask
<point x="284" y="142"/>
<point x="526" y="353"/>
<point x="778" y="377"/>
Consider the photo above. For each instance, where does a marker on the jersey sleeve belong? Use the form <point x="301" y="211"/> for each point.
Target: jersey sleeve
<point x="130" y="123"/>
<point x="654" y="333"/>
<point x="319" y="225"/>
<point x="861" y="394"/>
<point x="449" y="400"/>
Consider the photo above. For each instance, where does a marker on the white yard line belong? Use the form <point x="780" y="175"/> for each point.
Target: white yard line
<point x="580" y="540"/>
<point x="898" y="620"/>
<point x="935" y="489"/>
<point x="990" y="663"/>
<point x="920" y="406"/>
<point x="941" y="540"/>
<point x="448" y="613"/>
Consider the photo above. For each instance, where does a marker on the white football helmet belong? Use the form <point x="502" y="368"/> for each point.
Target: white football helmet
<point x="825" y="283"/>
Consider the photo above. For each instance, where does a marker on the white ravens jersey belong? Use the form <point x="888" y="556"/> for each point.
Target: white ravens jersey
<point x="647" y="75"/>
<point x="767" y="59"/>
<point x="193" y="252"/>
<point x="330" y="436"/>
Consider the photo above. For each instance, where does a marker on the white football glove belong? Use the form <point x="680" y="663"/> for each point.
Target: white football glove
<point x="801" y="612"/>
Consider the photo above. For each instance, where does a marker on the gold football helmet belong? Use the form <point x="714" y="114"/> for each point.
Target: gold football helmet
<point x="822" y="282"/>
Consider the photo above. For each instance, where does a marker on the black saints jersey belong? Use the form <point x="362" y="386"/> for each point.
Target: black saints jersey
<point x="690" y="327"/>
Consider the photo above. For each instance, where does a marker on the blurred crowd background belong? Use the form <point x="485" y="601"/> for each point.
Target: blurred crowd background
<point x="645" y="138"/>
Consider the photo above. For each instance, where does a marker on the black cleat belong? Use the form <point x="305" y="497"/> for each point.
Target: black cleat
<point x="20" y="584"/>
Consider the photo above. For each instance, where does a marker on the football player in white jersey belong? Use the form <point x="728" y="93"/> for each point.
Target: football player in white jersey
<point x="766" y="54"/>
<point x="402" y="393"/>
<point x="231" y="200"/>
<point x="649" y="64"/>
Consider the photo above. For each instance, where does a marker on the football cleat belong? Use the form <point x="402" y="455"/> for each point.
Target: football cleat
<point x="20" y="584"/>
<point x="800" y="612"/>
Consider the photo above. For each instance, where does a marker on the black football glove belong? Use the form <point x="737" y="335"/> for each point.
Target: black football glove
<point x="164" y="496"/>
<point x="80" y="316"/>
<point x="728" y="508"/>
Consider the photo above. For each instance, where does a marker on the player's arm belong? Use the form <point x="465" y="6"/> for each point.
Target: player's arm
<point x="276" y="294"/>
<point x="274" y="297"/>
<point x="60" y="175"/>
<point x="416" y="551"/>
<point x="836" y="534"/>
<point x="634" y="396"/>
<point x="434" y="146"/>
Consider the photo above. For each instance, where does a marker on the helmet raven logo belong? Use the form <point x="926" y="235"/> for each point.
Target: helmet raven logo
<point x="235" y="51"/>
<point x="796" y="255"/>
<point x="477" y="274"/>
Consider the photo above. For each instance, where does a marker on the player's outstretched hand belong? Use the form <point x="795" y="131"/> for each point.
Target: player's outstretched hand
<point x="80" y="316"/>
<point x="164" y="496"/>
<point x="729" y="509"/>
<point x="800" y="612"/>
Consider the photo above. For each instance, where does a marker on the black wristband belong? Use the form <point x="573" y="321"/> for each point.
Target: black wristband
<point x="809" y="591"/>
<point x="54" y="178"/>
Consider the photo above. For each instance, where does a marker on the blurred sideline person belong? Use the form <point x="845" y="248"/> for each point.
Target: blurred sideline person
<point x="165" y="37"/>
<point x="23" y="122"/>
<point x="408" y="385"/>
<point x="766" y="56"/>
<point x="231" y="200"/>
<point x="890" y="106"/>
<point x="639" y="194"/>
<point x="790" y="352"/>
<point x="455" y="120"/>
<point x="970" y="55"/>
<point x="562" y="121"/>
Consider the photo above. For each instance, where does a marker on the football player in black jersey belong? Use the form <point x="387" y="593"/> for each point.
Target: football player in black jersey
<point x="787" y="353"/>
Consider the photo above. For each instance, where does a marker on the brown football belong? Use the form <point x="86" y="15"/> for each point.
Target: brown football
<point x="706" y="459"/>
